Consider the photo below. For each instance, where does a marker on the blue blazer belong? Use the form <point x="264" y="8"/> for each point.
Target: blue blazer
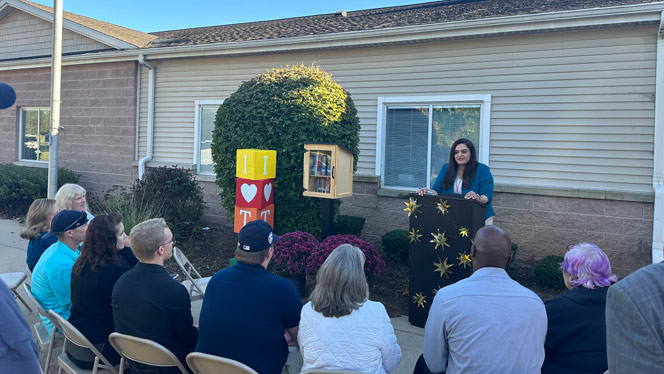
<point x="482" y="184"/>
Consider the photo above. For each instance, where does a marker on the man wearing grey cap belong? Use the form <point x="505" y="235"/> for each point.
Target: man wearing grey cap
<point x="51" y="277"/>
<point x="249" y="307"/>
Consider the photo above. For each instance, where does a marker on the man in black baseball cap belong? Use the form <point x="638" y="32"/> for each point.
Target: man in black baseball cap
<point x="51" y="276"/>
<point x="255" y="311"/>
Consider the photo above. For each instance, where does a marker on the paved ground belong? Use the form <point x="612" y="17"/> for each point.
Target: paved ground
<point x="12" y="258"/>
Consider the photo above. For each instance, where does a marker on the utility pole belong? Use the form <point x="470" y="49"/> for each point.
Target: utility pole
<point x="55" y="99"/>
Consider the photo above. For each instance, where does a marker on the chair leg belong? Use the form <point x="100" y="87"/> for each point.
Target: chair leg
<point x="23" y="301"/>
<point x="122" y="362"/>
<point x="49" y="351"/>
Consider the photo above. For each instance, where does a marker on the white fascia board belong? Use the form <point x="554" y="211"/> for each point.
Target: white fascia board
<point x="72" y="26"/>
<point x="398" y="35"/>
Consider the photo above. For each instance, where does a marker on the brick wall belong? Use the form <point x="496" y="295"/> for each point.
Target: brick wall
<point x="98" y="119"/>
<point x="541" y="225"/>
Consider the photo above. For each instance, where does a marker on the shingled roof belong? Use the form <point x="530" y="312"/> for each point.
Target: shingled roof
<point x="133" y="37"/>
<point x="373" y="19"/>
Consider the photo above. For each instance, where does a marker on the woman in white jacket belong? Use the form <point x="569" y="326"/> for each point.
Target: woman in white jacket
<point x="340" y="328"/>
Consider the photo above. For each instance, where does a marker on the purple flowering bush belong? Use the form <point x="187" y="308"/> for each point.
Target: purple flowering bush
<point x="291" y="252"/>
<point x="373" y="263"/>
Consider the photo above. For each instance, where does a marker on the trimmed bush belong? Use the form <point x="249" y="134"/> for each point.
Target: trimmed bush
<point x="21" y="185"/>
<point x="373" y="262"/>
<point x="395" y="245"/>
<point x="548" y="273"/>
<point x="280" y="110"/>
<point x="177" y="194"/>
<point x="348" y="225"/>
<point x="291" y="252"/>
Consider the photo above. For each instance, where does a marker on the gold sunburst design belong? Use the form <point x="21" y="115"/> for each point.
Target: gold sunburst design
<point x="419" y="299"/>
<point x="435" y="290"/>
<point x="464" y="259"/>
<point x="440" y="240"/>
<point x="414" y="236"/>
<point x="442" y="206"/>
<point x="463" y="231"/>
<point x="412" y="207"/>
<point x="443" y="267"/>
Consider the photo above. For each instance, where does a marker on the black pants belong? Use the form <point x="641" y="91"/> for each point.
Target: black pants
<point x="421" y="367"/>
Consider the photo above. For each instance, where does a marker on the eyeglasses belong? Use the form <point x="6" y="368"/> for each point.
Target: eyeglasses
<point x="172" y="241"/>
<point x="82" y="220"/>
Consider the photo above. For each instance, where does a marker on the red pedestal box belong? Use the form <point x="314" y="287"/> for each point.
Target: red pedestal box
<point x="254" y="193"/>
<point x="244" y="215"/>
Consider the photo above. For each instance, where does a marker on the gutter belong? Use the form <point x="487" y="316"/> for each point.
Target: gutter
<point x="658" y="156"/>
<point x="552" y="21"/>
<point x="150" y="133"/>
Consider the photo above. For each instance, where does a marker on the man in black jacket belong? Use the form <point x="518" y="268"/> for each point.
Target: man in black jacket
<point x="148" y="303"/>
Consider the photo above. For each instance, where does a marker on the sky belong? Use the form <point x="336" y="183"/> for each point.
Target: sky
<point x="161" y="15"/>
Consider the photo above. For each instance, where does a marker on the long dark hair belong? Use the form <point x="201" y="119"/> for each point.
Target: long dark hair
<point x="100" y="245"/>
<point x="468" y="172"/>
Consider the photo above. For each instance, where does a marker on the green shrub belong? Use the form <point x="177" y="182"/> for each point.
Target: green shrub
<point x="132" y="208"/>
<point x="280" y="110"/>
<point x="395" y="245"/>
<point x="176" y="193"/>
<point x="348" y="225"/>
<point x="20" y="185"/>
<point x="515" y="248"/>
<point x="548" y="273"/>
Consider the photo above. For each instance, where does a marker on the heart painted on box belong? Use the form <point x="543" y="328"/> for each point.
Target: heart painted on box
<point x="248" y="191"/>
<point x="267" y="190"/>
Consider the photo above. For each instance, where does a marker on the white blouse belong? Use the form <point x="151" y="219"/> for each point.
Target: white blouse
<point x="361" y="341"/>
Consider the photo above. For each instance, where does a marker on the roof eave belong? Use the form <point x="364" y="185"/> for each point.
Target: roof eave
<point x="572" y="19"/>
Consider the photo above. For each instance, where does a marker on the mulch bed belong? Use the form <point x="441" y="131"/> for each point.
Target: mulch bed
<point x="211" y="250"/>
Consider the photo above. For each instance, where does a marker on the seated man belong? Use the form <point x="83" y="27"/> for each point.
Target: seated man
<point x="148" y="303"/>
<point x="634" y="322"/>
<point x="51" y="277"/>
<point x="486" y="323"/>
<point x="246" y="310"/>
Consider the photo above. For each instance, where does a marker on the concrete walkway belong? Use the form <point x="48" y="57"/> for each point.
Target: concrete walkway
<point x="12" y="258"/>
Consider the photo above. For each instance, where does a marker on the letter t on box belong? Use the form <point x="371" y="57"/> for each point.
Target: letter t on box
<point x="256" y="164"/>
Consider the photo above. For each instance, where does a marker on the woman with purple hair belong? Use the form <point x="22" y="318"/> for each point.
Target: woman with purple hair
<point x="576" y="336"/>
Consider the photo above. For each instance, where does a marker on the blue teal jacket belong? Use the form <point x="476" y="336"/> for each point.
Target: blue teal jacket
<point x="482" y="184"/>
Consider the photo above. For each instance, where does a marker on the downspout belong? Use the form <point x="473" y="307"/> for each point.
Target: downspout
<point x="150" y="132"/>
<point x="658" y="156"/>
<point x="138" y="112"/>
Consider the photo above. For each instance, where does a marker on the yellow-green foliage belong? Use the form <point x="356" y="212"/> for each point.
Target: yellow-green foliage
<point x="281" y="110"/>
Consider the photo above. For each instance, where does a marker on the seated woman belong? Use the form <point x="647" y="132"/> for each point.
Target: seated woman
<point x="38" y="223"/>
<point x="465" y="176"/>
<point x="340" y="329"/>
<point x="72" y="196"/>
<point x="104" y="257"/>
<point x="576" y="336"/>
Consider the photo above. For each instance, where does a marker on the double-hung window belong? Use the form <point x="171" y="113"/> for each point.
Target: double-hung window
<point x="34" y="133"/>
<point x="206" y="111"/>
<point x="415" y="135"/>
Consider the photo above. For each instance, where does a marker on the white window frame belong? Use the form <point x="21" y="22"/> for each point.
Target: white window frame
<point x="381" y="119"/>
<point x="19" y="156"/>
<point x="198" y="104"/>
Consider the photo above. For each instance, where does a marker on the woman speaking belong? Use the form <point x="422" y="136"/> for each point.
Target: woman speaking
<point x="467" y="177"/>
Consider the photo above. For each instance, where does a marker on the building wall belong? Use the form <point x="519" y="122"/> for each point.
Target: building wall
<point x="98" y="119"/>
<point x="24" y="35"/>
<point x="540" y="225"/>
<point x="569" y="109"/>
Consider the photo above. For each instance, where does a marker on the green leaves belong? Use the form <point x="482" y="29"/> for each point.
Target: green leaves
<point x="281" y="110"/>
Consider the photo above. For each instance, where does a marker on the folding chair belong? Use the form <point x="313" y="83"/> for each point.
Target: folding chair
<point x="13" y="281"/>
<point x="202" y="363"/>
<point x="75" y="337"/>
<point x="194" y="283"/>
<point x="143" y="351"/>
<point x="46" y="341"/>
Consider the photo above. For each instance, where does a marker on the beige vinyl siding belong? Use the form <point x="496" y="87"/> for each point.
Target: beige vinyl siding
<point x="23" y="35"/>
<point x="569" y="109"/>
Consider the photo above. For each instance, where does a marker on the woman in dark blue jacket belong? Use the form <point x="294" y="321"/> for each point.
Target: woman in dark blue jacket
<point x="38" y="223"/>
<point x="467" y="177"/>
